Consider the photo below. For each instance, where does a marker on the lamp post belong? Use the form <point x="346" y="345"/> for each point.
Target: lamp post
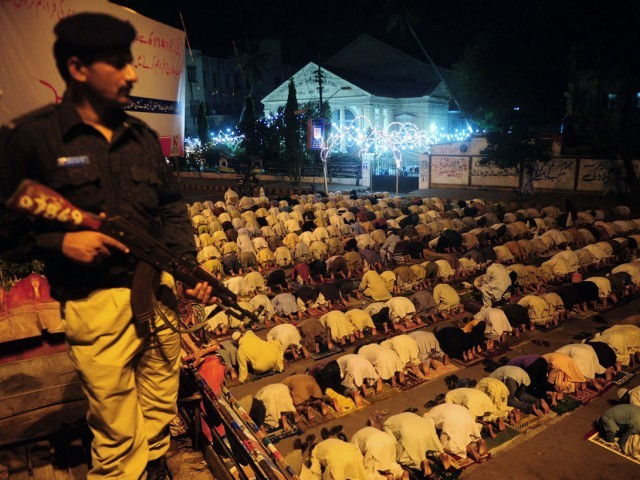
<point x="324" y="152"/>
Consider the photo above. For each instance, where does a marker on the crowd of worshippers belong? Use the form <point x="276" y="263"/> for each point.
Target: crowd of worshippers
<point x="249" y="242"/>
<point x="458" y="420"/>
<point x="337" y="249"/>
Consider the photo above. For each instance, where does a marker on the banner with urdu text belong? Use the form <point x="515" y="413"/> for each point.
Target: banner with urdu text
<point x="29" y="78"/>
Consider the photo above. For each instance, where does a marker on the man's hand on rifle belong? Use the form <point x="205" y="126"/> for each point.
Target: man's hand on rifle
<point x="89" y="247"/>
<point x="201" y="293"/>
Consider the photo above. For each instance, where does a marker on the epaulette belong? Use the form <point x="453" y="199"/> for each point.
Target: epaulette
<point x="32" y="115"/>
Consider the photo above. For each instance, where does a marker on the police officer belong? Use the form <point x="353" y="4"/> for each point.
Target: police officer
<point x="103" y="160"/>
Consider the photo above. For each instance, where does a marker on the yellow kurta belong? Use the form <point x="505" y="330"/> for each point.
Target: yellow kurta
<point x="446" y="297"/>
<point x="372" y="285"/>
<point x="497" y="391"/>
<point x="338" y="324"/>
<point x="360" y="319"/>
<point x="261" y="355"/>
<point x="333" y="459"/>
<point x="540" y="311"/>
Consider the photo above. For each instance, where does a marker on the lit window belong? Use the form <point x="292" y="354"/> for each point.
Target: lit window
<point x="612" y="101"/>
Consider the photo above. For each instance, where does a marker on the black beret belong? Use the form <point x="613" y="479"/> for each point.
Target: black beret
<point x="95" y="33"/>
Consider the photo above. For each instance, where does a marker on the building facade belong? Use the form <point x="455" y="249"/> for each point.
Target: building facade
<point x="371" y="79"/>
<point x="224" y="87"/>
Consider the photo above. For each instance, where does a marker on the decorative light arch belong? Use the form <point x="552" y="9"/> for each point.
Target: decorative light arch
<point x="395" y="138"/>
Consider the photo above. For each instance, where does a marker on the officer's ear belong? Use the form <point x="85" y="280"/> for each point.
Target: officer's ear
<point x="77" y="69"/>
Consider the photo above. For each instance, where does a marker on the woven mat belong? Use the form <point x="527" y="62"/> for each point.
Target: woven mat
<point x="528" y="422"/>
<point x="326" y="353"/>
<point x="568" y="321"/>
<point x="462" y="463"/>
<point x="277" y="434"/>
<point x="387" y="392"/>
<point x="502" y="438"/>
<point x="347" y="411"/>
<point x="567" y="404"/>
<point x="414" y="381"/>
<point x="319" y="419"/>
<point x="512" y="341"/>
<point x="594" y="437"/>
<point x="587" y="395"/>
<point x="475" y="361"/>
<point x="623" y="377"/>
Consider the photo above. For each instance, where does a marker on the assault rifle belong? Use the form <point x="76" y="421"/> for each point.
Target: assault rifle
<point x="36" y="200"/>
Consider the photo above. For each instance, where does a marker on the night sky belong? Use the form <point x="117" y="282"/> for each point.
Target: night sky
<point x="315" y="30"/>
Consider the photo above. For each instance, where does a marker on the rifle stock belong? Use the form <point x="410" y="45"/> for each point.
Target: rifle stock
<point x="36" y="200"/>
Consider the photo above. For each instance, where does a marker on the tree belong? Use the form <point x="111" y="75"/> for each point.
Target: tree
<point x="252" y="64"/>
<point x="402" y="15"/>
<point x="511" y="83"/>
<point x="203" y="124"/>
<point x="509" y="76"/>
<point x="248" y="127"/>
<point x="293" y="151"/>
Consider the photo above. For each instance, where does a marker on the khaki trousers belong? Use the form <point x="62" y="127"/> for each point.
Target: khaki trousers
<point x="131" y="383"/>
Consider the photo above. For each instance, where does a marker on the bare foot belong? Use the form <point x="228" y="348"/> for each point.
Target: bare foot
<point x="426" y="468"/>
<point x="500" y="424"/>
<point x="517" y="414"/>
<point x="545" y="406"/>
<point x="472" y="452"/>
<point x="445" y="459"/>
<point x="482" y="447"/>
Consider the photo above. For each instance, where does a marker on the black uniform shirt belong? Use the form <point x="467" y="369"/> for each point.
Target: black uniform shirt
<point x="127" y="177"/>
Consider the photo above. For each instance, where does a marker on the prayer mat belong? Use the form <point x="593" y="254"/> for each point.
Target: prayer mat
<point x="437" y="473"/>
<point x="460" y="463"/>
<point x="348" y="411"/>
<point x="258" y="376"/>
<point x="511" y="341"/>
<point x="348" y="406"/>
<point x="594" y="437"/>
<point x="277" y="434"/>
<point x="623" y="377"/>
<point x="588" y="394"/>
<point x="288" y="358"/>
<point x="502" y="438"/>
<point x="530" y="421"/>
<point x="568" y="321"/>
<point x="477" y="359"/>
<point x="325" y="354"/>
<point x="413" y="381"/>
<point x="387" y="392"/>
<point x="498" y="349"/>
<point x="567" y="404"/>
<point x="318" y="420"/>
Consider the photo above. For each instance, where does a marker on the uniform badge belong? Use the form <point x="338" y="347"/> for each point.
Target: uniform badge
<point x="75" y="161"/>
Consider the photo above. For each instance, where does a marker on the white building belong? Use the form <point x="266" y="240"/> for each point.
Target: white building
<point x="372" y="79"/>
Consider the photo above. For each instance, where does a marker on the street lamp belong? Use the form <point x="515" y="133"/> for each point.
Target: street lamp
<point x="324" y="152"/>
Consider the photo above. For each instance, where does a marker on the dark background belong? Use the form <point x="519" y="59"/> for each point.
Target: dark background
<point x="315" y="30"/>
